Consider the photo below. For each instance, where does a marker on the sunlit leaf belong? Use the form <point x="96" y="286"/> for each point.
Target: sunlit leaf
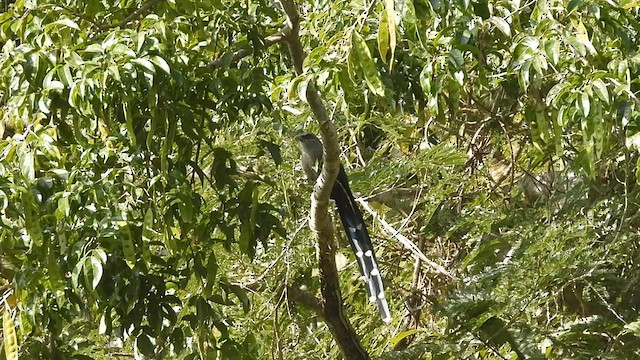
<point x="555" y="93"/>
<point x="552" y="49"/>
<point x="145" y="64"/>
<point x="63" y="23"/>
<point x="389" y="9"/>
<point x="9" y="334"/>
<point x="425" y="79"/>
<point x="162" y="64"/>
<point x="501" y="24"/>
<point x="403" y="335"/>
<point x="96" y="271"/>
<point x="383" y="35"/>
<point x="75" y="274"/>
<point x="585" y="103"/>
<point x="366" y="63"/>
<point x="601" y="90"/>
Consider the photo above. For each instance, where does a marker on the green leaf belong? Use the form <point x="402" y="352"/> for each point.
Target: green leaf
<point x="156" y="119"/>
<point x="62" y="23"/>
<point x="301" y="89"/>
<point x="242" y="296"/>
<point x="105" y="325"/>
<point x="501" y="24"/>
<point x="456" y="58"/>
<point x="128" y="117"/>
<point x="601" y="90"/>
<point x="577" y="45"/>
<point x="121" y="49"/>
<point x="402" y="335"/>
<point x="573" y="4"/>
<point x="27" y="165"/>
<point x="541" y="123"/>
<point x="143" y="343"/>
<point x="96" y="271"/>
<point x="366" y="63"/>
<point x="63" y="210"/>
<point x="561" y="118"/>
<point x="274" y="151"/>
<point x="585" y="104"/>
<point x="556" y="92"/>
<point x="113" y="70"/>
<point x="186" y="209"/>
<point x="145" y="64"/>
<point x="523" y="75"/>
<point x="75" y="97"/>
<point x="167" y="145"/>
<point x="552" y="49"/>
<point x="147" y="227"/>
<point x="140" y="41"/>
<point x="212" y="269"/>
<point x="127" y="244"/>
<point x="4" y="201"/>
<point x="101" y="255"/>
<point x="75" y="274"/>
<point x="634" y="327"/>
<point x="9" y="334"/>
<point x="94" y="49"/>
<point x="162" y="64"/>
<point x="558" y="127"/>
<point x="383" y="35"/>
<point x="391" y="24"/>
<point x="425" y="79"/>
<point x="623" y="113"/>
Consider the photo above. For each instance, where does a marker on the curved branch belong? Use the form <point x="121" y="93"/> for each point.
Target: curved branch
<point x="410" y="245"/>
<point x="239" y="54"/>
<point x="320" y="222"/>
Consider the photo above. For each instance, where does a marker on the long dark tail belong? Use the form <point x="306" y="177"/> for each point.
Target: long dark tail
<point x="362" y="247"/>
<point x="360" y="242"/>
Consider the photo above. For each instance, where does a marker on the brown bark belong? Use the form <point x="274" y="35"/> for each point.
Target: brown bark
<point x="320" y="221"/>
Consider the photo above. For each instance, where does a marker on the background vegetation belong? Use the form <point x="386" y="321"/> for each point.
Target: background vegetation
<point x="150" y="203"/>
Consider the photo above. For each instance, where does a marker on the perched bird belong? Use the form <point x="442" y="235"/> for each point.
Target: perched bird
<point x="351" y="219"/>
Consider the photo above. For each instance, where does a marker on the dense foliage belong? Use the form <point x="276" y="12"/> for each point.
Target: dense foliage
<point x="150" y="202"/>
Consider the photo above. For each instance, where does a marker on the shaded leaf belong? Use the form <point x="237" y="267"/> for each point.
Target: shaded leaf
<point x="573" y="4"/>
<point x="127" y="244"/>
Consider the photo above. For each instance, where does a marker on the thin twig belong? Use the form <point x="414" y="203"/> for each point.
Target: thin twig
<point x="410" y="245"/>
<point x="134" y="15"/>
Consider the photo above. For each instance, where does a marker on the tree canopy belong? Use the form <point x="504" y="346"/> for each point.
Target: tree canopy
<point x="152" y="206"/>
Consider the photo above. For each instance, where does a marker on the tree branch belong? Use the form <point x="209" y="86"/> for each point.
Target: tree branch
<point x="320" y="222"/>
<point x="145" y="7"/>
<point x="305" y="299"/>
<point x="239" y="54"/>
<point x="410" y="245"/>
